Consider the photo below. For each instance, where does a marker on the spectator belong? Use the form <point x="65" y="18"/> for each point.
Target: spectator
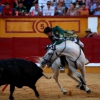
<point x="77" y="6"/>
<point x="89" y="33"/>
<point x="68" y="3"/>
<point x="22" y="10"/>
<point x="72" y="11"/>
<point x="35" y="1"/>
<point x="48" y="10"/>
<point x="20" y="1"/>
<point x="89" y="3"/>
<point x="54" y="3"/>
<point x="35" y="10"/>
<point x="10" y="2"/>
<point x="28" y="4"/>
<point x="83" y="10"/>
<point x="95" y="9"/>
<point x="80" y="2"/>
<point x="1" y="8"/>
<point x="60" y="8"/>
<point x="7" y="10"/>
<point x="42" y="3"/>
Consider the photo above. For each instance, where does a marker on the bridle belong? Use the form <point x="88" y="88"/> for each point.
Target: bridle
<point x="57" y="55"/>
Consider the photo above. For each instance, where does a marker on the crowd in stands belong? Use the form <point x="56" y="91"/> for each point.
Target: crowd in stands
<point x="49" y="7"/>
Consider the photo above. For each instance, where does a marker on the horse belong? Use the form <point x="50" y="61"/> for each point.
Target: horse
<point x="75" y="59"/>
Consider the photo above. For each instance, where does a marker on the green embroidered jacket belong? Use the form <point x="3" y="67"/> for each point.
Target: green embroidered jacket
<point x="59" y="35"/>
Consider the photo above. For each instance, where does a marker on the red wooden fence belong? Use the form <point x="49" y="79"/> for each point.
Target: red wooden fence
<point x="28" y="47"/>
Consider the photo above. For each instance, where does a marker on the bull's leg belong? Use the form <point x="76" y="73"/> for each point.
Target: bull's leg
<point x="56" y="74"/>
<point x="35" y="90"/>
<point x="12" y="88"/>
<point x="46" y="76"/>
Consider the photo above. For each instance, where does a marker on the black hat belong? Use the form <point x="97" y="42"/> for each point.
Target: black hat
<point x="47" y="29"/>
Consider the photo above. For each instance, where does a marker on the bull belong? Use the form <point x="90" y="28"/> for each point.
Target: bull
<point x="19" y="73"/>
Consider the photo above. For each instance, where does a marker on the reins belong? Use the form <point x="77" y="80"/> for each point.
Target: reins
<point x="58" y="55"/>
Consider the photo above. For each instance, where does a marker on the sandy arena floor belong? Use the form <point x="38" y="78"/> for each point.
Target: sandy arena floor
<point x="49" y="90"/>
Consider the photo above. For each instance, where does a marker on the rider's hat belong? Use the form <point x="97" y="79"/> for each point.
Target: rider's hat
<point x="47" y="30"/>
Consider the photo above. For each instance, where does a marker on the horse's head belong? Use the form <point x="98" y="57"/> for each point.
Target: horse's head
<point x="49" y="57"/>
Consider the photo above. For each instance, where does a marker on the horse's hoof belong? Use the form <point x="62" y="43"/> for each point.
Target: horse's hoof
<point x="89" y="91"/>
<point x="82" y="88"/>
<point x="64" y="93"/>
<point x="77" y="86"/>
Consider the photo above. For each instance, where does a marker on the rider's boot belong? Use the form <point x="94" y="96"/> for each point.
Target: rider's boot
<point x="62" y="67"/>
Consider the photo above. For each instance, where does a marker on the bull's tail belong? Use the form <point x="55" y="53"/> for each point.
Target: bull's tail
<point x="46" y="76"/>
<point x="37" y="58"/>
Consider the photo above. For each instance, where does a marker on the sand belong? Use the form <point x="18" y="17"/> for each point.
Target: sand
<point x="49" y="90"/>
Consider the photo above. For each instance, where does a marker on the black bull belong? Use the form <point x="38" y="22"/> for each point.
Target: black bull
<point x="19" y="73"/>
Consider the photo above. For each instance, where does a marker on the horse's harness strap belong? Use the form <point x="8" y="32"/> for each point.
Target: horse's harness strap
<point x="58" y="55"/>
<point x="77" y="58"/>
<point x="46" y="60"/>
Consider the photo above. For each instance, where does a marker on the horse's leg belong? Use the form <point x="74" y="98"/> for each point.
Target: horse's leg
<point x="83" y="75"/>
<point x="56" y="74"/>
<point x="70" y="73"/>
<point x="55" y="68"/>
<point x="80" y="77"/>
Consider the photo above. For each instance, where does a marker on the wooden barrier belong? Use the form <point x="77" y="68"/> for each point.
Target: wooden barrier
<point x="28" y="47"/>
<point x="22" y="37"/>
<point x="29" y="26"/>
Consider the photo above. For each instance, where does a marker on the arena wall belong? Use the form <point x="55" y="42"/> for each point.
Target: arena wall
<point x="22" y="37"/>
<point x="19" y="26"/>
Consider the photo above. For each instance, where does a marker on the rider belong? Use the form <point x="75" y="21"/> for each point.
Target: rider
<point x="57" y="35"/>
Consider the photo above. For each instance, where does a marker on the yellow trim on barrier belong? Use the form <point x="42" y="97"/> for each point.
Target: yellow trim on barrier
<point x="33" y="27"/>
<point x="88" y="70"/>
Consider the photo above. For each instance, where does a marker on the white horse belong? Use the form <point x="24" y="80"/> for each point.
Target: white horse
<point x="75" y="59"/>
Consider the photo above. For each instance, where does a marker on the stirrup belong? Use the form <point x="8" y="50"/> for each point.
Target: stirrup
<point x="62" y="68"/>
